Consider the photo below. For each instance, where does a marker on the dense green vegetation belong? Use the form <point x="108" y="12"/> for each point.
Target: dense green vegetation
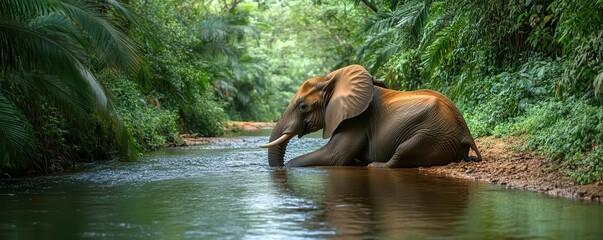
<point x="53" y="110"/>
<point x="83" y="80"/>
<point x="529" y="68"/>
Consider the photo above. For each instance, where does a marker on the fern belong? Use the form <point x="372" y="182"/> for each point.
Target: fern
<point x="442" y="46"/>
<point x="391" y="31"/>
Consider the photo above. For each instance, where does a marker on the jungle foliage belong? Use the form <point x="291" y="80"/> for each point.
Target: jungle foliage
<point x="82" y="80"/>
<point x="53" y="110"/>
<point x="526" y="67"/>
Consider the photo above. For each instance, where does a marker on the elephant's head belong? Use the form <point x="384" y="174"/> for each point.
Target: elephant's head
<point x="321" y="103"/>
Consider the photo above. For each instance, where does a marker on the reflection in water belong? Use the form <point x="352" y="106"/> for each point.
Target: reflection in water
<point x="384" y="202"/>
<point x="226" y="191"/>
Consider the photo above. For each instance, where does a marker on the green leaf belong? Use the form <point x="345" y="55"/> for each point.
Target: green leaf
<point x="49" y="50"/>
<point x="17" y="142"/>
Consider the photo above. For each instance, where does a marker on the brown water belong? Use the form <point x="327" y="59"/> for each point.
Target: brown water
<point x="226" y="191"/>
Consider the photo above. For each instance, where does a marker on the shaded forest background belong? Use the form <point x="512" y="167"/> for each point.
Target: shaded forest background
<point x="85" y="80"/>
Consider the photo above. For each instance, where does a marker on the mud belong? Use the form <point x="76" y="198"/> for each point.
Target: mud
<point x="230" y="127"/>
<point x="247" y="126"/>
<point x="504" y="164"/>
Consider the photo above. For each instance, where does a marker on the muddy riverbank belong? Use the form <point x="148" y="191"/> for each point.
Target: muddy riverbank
<point x="504" y="164"/>
<point x="230" y="127"/>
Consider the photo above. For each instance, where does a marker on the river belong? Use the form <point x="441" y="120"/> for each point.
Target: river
<point x="225" y="190"/>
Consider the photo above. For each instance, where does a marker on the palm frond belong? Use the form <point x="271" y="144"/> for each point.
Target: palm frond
<point x="29" y="48"/>
<point x="383" y="54"/>
<point x="437" y="51"/>
<point x="391" y="32"/>
<point x="435" y="25"/>
<point x="219" y="37"/>
<point x="111" y="45"/>
<point x="220" y="29"/>
<point x="380" y="22"/>
<point x="17" y="142"/>
<point x="373" y="42"/>
<point x="442" y="46"/>
<point x="366" y="47"/>
<point x="419" y="21"/>
<point x="142" y="74"/>
<point x="47" y="49"/>
<point x="213" y="29"/>
<point x="242" y="31"/>
<point x="123" y="11"/>
<point x="25" y="9"/>
<point x="70" y="100"/>
<point x="36" y="50"/>
<point x="413" y="15"/>
<point x="217" y="49"/>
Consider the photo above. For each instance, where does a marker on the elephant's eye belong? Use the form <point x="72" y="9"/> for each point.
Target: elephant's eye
<point x="303" y="107"/>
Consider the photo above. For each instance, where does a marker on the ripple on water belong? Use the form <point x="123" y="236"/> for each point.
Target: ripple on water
<point x="225" y="156"/>
<point x="226" y="190"/>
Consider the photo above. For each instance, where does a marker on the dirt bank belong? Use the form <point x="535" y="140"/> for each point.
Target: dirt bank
<point x="502" y="164"/>
<point x="248" y="126"/>
<point x="233" y="126"/>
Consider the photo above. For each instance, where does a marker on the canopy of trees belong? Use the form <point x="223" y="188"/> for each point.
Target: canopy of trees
<point x="82" y="80"/>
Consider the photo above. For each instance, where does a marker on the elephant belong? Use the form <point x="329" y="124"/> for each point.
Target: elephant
<point x="371" y="125"/>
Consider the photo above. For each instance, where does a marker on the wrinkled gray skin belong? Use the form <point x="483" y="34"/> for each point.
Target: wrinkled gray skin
<point x="369" y="124"/>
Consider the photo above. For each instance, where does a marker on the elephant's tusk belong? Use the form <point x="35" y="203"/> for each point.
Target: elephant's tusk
<point x="278" y="141"/>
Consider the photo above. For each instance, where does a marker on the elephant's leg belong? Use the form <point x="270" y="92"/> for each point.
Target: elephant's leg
<point x="319" y="157"/>
<point x="340" y="150"/>
<point x="405" y="155"/>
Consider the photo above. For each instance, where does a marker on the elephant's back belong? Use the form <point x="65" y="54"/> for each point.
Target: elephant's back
<point x="422" y="95"/>
<point x="424" y="101"/>
<point x="422" y="112"/>
<point x="430" y="100"/>
<point x="450" y="110"/>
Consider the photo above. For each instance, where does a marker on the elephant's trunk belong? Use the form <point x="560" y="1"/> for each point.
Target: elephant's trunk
<point x="276" y="153"/>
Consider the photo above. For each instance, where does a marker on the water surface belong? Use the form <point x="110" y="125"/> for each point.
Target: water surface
<point x="225" y="190"/>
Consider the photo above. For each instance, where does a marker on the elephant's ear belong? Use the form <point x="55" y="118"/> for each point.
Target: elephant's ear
<point x="351" y="90"/>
